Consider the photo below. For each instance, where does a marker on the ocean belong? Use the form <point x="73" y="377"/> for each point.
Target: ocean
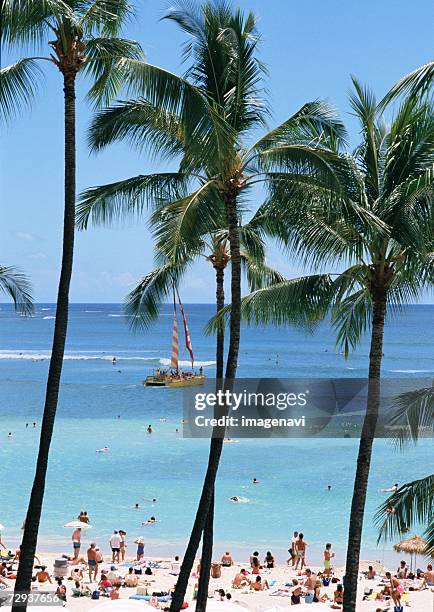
<point x="105" y="404"/>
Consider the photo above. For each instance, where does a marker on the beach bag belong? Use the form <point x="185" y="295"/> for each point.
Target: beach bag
<point x="95" y="595"/>
<point x="308" y="598"/>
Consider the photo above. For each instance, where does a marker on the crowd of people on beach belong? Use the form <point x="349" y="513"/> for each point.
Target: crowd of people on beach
<point x="90" y="574"/>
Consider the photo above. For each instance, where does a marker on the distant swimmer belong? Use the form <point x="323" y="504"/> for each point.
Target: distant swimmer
<point x="136" y="506"/>
<point x="105" y="449"/>
<point x="27" y="425"/>
<point x="329" y="487"/>
<point x="390" y="489"/>
<point x="10" y="435"/>
<point x="114" y="361"/>
<point x="150" y="521"/>
<point x="34" y="425"/>
<point x="149" y="429"/>
<point x="255" y="481"/>
<point x="239" y="499"/>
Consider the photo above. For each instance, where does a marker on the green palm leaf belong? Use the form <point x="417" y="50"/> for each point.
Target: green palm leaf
<point x="18" y="87"/>
<point x="15" y="284"/>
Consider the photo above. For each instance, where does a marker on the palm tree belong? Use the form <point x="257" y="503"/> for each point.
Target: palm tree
<point x="83" y="38"/>
<point x="143" y="302"/>
<point x="206" y="118"/>
<point x="374" y="214"/>
<point x="15" y="284"/>
<point x="413" y="503"/>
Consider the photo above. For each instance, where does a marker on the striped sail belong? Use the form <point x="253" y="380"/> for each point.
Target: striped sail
<point x="175" y="348"/>
<point x="186" y="333"/>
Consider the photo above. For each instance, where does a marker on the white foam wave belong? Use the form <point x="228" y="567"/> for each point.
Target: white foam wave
<point x="46" y="308"/>
<point x="90" y="356"/>
<point x="48" y="317"/>
<point x="412" y="371"/>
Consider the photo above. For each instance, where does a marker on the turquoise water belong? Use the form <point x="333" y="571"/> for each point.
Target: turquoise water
<point x="293" y="474"/>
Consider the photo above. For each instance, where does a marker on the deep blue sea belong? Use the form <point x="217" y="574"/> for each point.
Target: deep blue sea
<point x="293" y="474"/>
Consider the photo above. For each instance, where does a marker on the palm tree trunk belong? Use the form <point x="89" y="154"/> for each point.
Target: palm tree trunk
<point x="365" y="453"/>
<point x="216" y="445"/>
<point x="208" y="532"/>
<point x="30" y="535"/>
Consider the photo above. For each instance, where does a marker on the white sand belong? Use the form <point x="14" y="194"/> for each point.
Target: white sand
<point x="161" y="580"/>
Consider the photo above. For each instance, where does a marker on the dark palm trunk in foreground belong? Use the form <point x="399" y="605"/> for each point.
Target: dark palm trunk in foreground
<point x="365" y="453"/>
<point x="208" y="532"/>
<point x="30" y="535"/>
<point x="216" y="442"/>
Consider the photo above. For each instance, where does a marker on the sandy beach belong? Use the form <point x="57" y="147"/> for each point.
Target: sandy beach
<point x="278" y="594"/>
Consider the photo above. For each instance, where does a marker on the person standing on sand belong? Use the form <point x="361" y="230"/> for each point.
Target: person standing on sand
<point x="92" y="561"/>
<point x="123" y="544"/>
<point x="76" y="542"/>
<point x="115" y="545"/>
<point x="328" y="555"/>
<point x="300" y="551"/>
<point x="292" y="554"/>
<point x="140" y="548"/>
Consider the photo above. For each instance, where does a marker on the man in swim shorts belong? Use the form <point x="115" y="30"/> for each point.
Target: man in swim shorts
<point x="92" y="561"/>
<point x="76" y="542"/>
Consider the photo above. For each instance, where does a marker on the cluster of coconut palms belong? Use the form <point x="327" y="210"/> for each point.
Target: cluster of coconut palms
<point x="367" y="213"/>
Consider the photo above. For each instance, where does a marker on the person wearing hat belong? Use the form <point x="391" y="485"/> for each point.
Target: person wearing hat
<point x="140" y="548"/>
<point x="92" y="561"/>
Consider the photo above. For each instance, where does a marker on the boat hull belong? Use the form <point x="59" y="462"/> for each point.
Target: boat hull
<point x="174" y="381"/>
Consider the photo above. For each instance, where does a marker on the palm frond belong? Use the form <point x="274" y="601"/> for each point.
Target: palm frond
<point x="106" y="16"/>
<point x="301" y="301"/>
<point x="107" y="63"/>
<point x="412" y="414"/>
<point x="411" y="504"/>
<point x="416" y="83"/>
<point x="27" y="22"/>
<point x="140" y="124"/>
<point x="125" y="200"/>
<point x="17" y="285"/>
<point x="143" y="303"/>
<point x="19" y="84"/>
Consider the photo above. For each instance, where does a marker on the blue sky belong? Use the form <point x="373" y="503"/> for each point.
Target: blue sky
<point x="310" y="48"/>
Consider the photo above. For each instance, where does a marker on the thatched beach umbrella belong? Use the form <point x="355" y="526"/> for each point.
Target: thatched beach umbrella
<point x="412" y="546"/>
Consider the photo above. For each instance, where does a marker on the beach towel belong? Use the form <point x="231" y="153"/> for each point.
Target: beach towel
<point x="165" y="598"/>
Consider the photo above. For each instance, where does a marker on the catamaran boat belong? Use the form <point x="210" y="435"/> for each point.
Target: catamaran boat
<point x="174" y="376"/>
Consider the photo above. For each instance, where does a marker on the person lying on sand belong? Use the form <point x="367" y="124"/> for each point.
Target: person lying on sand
<point x="240" y="579"/>
<point x="259" y="585"/>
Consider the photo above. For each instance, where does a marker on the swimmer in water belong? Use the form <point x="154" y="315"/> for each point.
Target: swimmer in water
<point x="329" y="487"/>
<point x="114" y="360"/>
<point x="136" y="506"/>
<point x="255" y="481"/>
<point x="150" y="521"/>
<point x="9" y="435"/>
<point x="235" y="498"/>
<point x="149" y="429"/>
